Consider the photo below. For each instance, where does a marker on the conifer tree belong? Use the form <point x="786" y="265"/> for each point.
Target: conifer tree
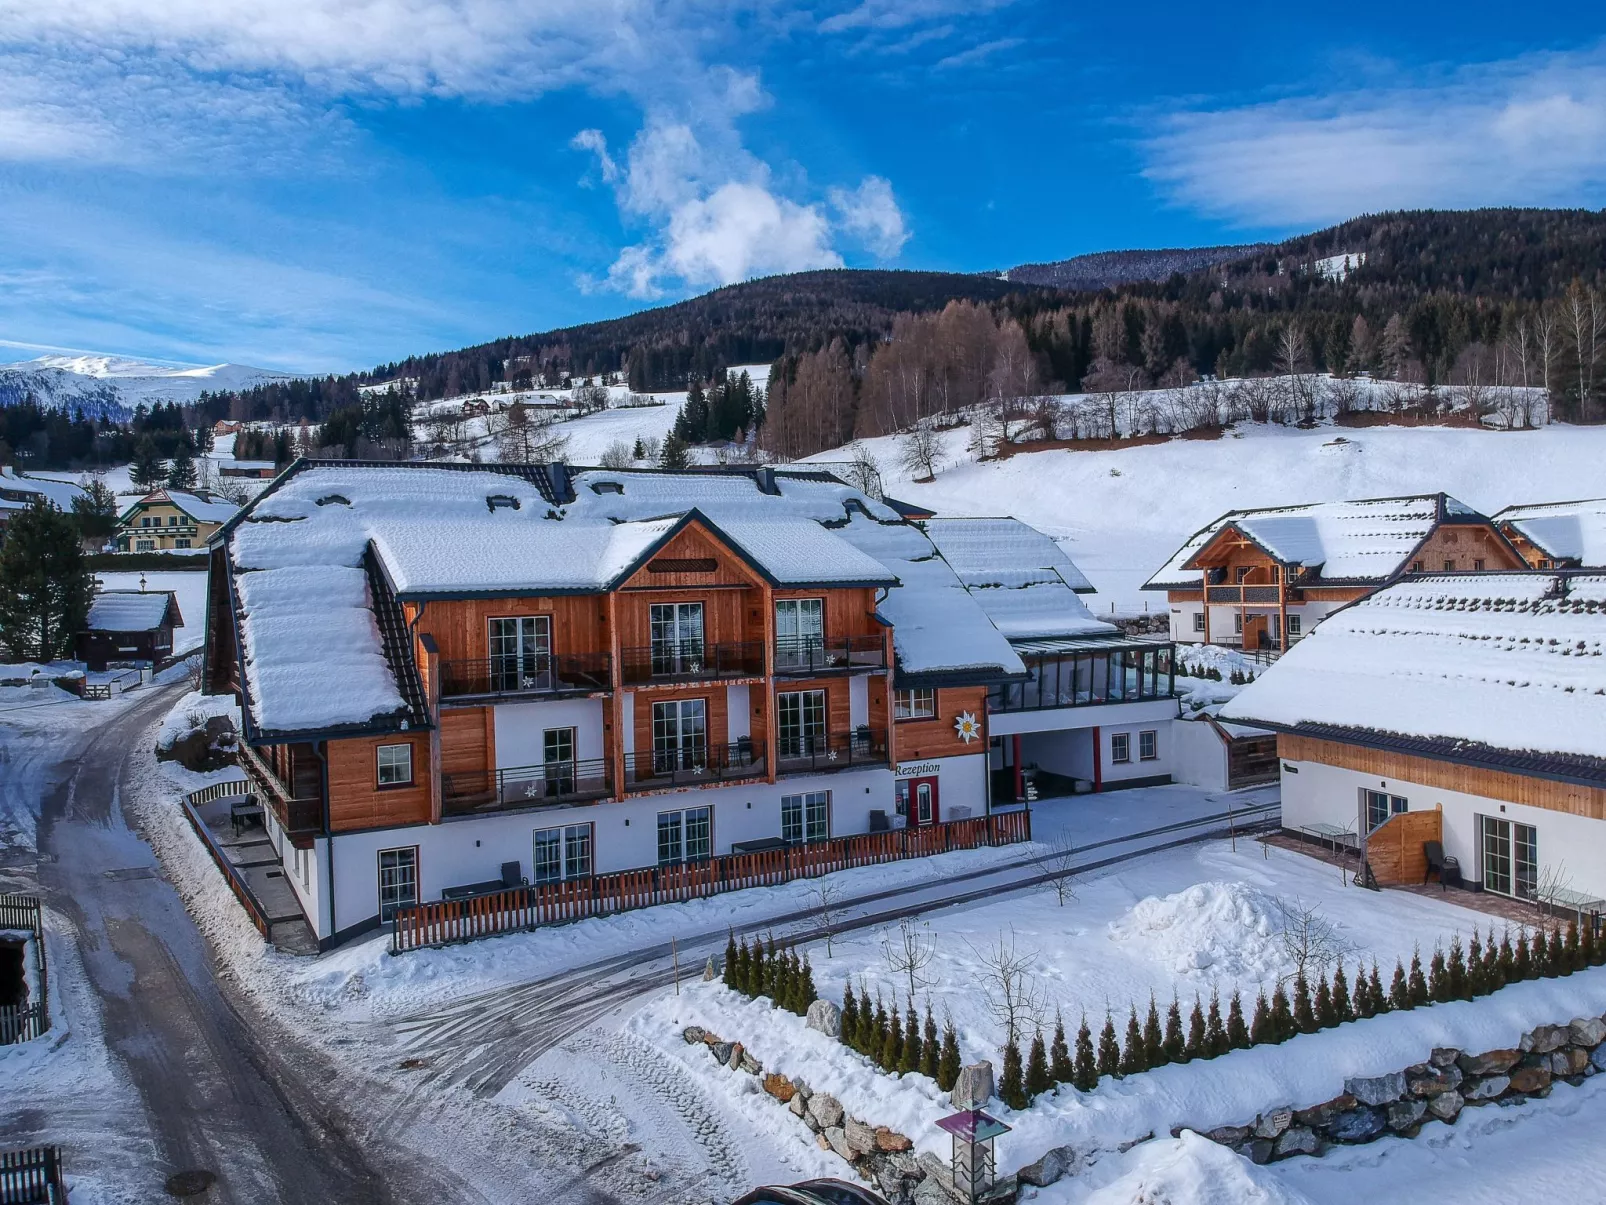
<point x="928" y="1047"/>
<point x="675" y="454"/>
<point x="1260" y="1025"/>
<point x="911" y="1042"/>
<point x="744" y="963"/>
<point x="1539" y="954"/>
<point x="1322" y="1005"/>
<point x="1012" y="1084"/>
<point x="1038" y="1079"/>
<point x="1282" y="1016"/>
<point x="1563" y="950"/>
<point x="1060" y="1069"/>
<point x="807" y="994"/>
<point x="1132" y="1060"/>
<point x="1084" y="1066"/>
<point x="1195" y="1049"/>
<point x="869" y="1034"/>
<point x="879" y="1033"/>
<point x="1438" y="978"/>
<point x="850" y="1016"/>
<point x="1477" y="980"/>
<point x="1109" y="1058"/>
<point x="147" y="471"/>
<point x="1522" y="960"/>
<point x="1304" y="1014"/>
<point x="1215" y="1032"/>
<point x="1455" y="972"/>
<point x="1416" y="983"/>
<point x="892" y="1042"/>
<point x="1400" y="989"/>
<point x="1237" y="1031"/>
<point x="948" y="1060"/>
<point x="728" y="974"/>
<point x="1343" y="1006"/>
<point x="1374" y="989"/>
<point x="1174" y="1046"/>
<point x="1587" y="953"/>
<point x="181" y="469"/>
<point x="1492" y="973"/>
<point x="46" y="585"/>
<point x="1153" y="1042"/>
<point x="779" y="979"/>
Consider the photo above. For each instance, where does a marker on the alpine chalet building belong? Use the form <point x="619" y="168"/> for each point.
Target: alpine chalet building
<point x="1558" y="535"/>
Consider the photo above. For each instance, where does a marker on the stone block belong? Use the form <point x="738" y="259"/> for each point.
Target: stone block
<point x="798" y="1105"/>
<point x="1446" y="1106"/>
<point x="1530" y="1079"/>
<point x="819" y="1141"/>
<point x="1377" y="1089"/>
<point x="1404" y="1115"/>
<point x="1273" y="1122"/>
<point x="1424" y="1079"/>
<point x="779" y="1087"/>
<point x="1490" y="1062"/>
<point x="1260" y="1150"/>
<point x="890" y="1141"/>
<point x="858" y="1136"/>
<point x="824" y="1017"/>
<point x="974" y="1087"/>
<point x="1476" y="1091"/>
<point x="1320" y="1115"/>
<point x="693" y="1034"/>
<point x="825" y="1109"/>
<point x="837" y="1140"/>
<point x="1597" y="1058"/>
<point x="1050" y="1169"/>
<point x="721" y="1052"/>
<point x="1357" y="1125"/>
<point x="1544" y="1039"/>
<point x="734" y="1059"/>
<point x="938" y="1172"/>
<point x="1443" y="1056"/>
<point x="750" y="1065"/>
<point x="1233" y="1136"/>
<point x="1296" y="1140"/>
<point x="1587" y="1031"/>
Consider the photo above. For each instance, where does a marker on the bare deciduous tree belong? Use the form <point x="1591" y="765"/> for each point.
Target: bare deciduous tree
<point x="864" y="470"/>
<point x="617" y="455"/>
<point x="909" y="952"/>
<point x="1309" y="940"/>
<point x="1060" y="871"/>
<point x="827" y="896"/>
<point x="1012" y="994"/>
<point x="920" y="452"/>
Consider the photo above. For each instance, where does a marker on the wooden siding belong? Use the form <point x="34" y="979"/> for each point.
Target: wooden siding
<point x="1448" y="776"/>
<point x="922" y="740"/>
<point x="848" y="612"/>
<point x="355" y="798"/>
<point x="725" y="615"/>
<point x="1464" y="543"/>
<point x="468" y="740"/>
<point x="716" y="711"/>
<point x="693" y="543"/>
<point x="1394" y="849"/>
<point x="461" y="630"/>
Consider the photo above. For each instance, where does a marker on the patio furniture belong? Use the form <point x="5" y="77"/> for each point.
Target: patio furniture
<point x="1446" y="867"/>
<point x="243" y="812"/>
<point x="509" y="880"/>
<point x="1337" y="838"/>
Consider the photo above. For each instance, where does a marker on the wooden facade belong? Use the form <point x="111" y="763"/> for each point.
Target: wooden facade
<point x="924" y="740"/>
<point x="1394" y="849"/>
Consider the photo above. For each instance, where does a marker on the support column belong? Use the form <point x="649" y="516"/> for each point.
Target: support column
<point x="1098" y="759"/>
<point x="1020" y="777"/>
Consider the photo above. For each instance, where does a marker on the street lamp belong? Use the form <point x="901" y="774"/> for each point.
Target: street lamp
<point x="973" y="1164"/>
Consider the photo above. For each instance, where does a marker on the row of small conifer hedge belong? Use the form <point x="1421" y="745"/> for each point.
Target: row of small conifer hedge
<point x="775" y="972"/>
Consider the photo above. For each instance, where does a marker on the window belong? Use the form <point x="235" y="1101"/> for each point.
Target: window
<point x="172" y="520"/>
<point x="1294" y="626"/>
<point x="521" y="652"/>
<point x="1417" y="566"/>
<point x="806" y="817"/>
<point x="1449" y="564"/>
<point x="144" y="520"/>
<point x="144" y="545"/>
<point x="1238" y="622"/>
<point x="685" y="836"/>
<point x="1510" y="857"/>
<point x="1380" y="805"/>
<point x="1120" y="746"/>
<point x="677" y="638"/>
<point x="1148" y="746"/>
<point x="395" y="765"/>
<point x="1479" y="564"/>
<point x="1198" y="621"/>
<point x="181" y="542"/>
<point x="562" y="853"/>
<point x="799" y="631"/>
<point x="1241" y="573"/>
<point x="398" y="880"/>
<point x="802" y="722"/>
<point x="914" y="704"/>
<point x="679" y="735"/>
<point x="557" y="759"/>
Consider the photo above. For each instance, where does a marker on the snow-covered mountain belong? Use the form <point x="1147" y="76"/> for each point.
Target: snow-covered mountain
<point x="111" y="386"/>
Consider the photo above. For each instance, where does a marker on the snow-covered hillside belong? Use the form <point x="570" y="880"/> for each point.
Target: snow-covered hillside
<point x="111" y="386"/>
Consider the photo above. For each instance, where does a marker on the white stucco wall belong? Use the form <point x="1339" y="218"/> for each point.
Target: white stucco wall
<point x="519" y="728"/>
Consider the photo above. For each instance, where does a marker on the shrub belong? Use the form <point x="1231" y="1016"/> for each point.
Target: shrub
<point x="1109" y="1049"/>
<point x="1084" y="1067"/>
<point x="1038" y="1079"/>
<point x="948" y="1060"/>
<point x="1012" y="1083"/>
<point x="1060" y="1068"/>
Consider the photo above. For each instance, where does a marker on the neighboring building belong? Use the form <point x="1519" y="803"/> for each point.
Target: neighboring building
<point x="171" y="520"/>
<point x="224" y="427"/>
<point x="18" y="491"/>
<point x="1469" y="710"/>
<point x="1264" y="578"/>
<point x="444" y="668"/>
<point x="1095" y="709"/>
<point x="129" y="625"/>
<point x="1558" y="535"/>
<point x="259" y="470"/>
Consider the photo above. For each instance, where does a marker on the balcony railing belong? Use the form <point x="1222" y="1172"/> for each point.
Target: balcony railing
<point x="1251" y="594"/>
<point x="300" y="818"/>
<point x="693" y="661"/>
<point x="807" y="656"/>
<point x="831" y="751"/>
<point x="691" y="767"/>
<point x="518" y="788"/>
<point x="529" y="673"/>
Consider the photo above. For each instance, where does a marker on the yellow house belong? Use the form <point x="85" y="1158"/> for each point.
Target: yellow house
<point x="170" y="520"/>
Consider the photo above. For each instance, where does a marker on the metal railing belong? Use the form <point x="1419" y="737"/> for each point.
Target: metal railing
<point x="524" y="787"/>
<point x="32" y="1177"/>
<point x="689" y="767"/>
<point x="1251" y="594"/>
<point x="531" y="673"/>
<point x="692" y="661"/>
<point x="831" y="751"/>
<point x="810" y="655"/>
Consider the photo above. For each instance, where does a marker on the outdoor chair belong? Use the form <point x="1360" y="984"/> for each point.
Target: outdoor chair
<point x="1446" y="867"/>
<point x="243" y="812"/>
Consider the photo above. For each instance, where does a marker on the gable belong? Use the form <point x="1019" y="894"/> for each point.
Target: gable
<point x="692" y="557"/>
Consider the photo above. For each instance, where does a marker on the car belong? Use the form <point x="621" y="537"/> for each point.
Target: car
<point x="812" y="1192"/>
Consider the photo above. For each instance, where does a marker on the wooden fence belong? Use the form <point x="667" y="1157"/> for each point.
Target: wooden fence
<point x="32" y="1177"/>
<point x="447" y="921"/>
<point x="231" y="873"/>
<point x="1394" y="849"/>
<point x="23" y="912"/>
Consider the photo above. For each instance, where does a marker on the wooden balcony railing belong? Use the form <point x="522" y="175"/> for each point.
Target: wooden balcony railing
<point x="301" y="818"/>
<point x="531" y="673"/>
<point x="689" y="767"/>
<point x="692" y="661"/>
<point x="831" y="751"/>
<point x="806" y="656"/>
<point x="523" y="788"/>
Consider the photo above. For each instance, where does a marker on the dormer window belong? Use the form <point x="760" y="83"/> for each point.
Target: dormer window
<point x="502" y="502"/>
<point x="607" y="487"/>
<point x="329" y="498"/>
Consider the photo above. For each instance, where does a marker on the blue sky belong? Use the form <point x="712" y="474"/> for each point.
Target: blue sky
<point x="329" y="184"/>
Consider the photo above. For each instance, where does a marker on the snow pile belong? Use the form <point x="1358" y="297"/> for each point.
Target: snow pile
<point x="1225" y="929"/>
<point x="1189" y="1170"/>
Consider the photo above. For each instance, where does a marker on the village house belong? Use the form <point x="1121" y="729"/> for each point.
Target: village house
<point x="1463" y="710"/>
<point x="1262" y="579"/>
<point x="255" y="470"/>
<point x="168" y="520"/>
<point x="18" y="492"/>
<point x="450" y="674"/>
<point x="1558" y="535"/>
<point x="129" y="625"/>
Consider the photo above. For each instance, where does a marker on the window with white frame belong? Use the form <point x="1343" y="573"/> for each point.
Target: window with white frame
<point x="806" y="817"/>
<point x="1148" y="746"/>
<point x="685" y="836"/>
<point x="1198" y="621"/>
<point x="398" y="880"/>
<point x="799" y="631"/>
<point x="1380" y="805"/>
<point x="1120" y="746"/>
<point x="914" y="704"/>
<point x="1294" y="625"/>
<point x="395" y="765"/>
<point x="562" y="853"/>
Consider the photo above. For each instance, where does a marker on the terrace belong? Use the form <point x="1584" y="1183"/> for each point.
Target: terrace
<point x="526" y="674"/>
<point x="525" y="788"/>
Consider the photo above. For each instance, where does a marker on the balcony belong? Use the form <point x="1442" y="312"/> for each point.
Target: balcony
<point x="529" y="674"/>
<point x="1252" y="595"/>
<point x="301" y="817"/>
<point x="693" y="767"/>
<point x="833" y="751"/>
<point x="692" y="661"/>
<point x="524" y="788"/>
<point x="810" y="656"/>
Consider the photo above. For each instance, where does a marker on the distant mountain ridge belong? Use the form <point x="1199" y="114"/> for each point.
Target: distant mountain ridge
<point x="110" y="387"/>
<point x="1112" y="269"/>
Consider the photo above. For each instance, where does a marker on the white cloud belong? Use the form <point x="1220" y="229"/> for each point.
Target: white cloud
<point x="597" y="143"/>
<point x="980" y="53"/>
<point x="1529" y="131"/>
<point x="900" y="14"/>
<point x="870" y="213"/>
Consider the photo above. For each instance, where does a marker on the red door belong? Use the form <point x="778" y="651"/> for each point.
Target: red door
<point x="917" y="798"/>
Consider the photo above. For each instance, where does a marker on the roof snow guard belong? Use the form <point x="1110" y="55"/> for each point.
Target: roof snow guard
<point x="1504" y="669"/>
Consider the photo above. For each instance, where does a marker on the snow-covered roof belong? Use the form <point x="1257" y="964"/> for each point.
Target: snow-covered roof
<point x="60" y="493"/>
<point x="195" y="507"/>
<point x="1574" y="532"/>
<point x="1511" y="662"/>
<point x="1369" y="540"/>
<point x="132" y="610"/>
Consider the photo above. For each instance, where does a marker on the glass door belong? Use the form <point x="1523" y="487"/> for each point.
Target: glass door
<point x="521" y="653"/>
<point x="1496" y="855"/>
<point x="557" y="757"/>
<point x="679" y="735"/>
<point x="802" y="723"/>
<point x="925" y="802"/>
<point x="677" y="638"/>
<point x="799" y="632"/>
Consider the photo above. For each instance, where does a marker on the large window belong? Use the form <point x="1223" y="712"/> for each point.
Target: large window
<point x="802" y="722"/>
<point x="398" y="880"/>
<point x="685" y="836"/>
<point x="395" y="765"/>
<point x="562" y="853"/>
<point x="1380" y="805"/>
<point x="557" y="759"/>
<point x="799" y="631"/>
<point x="677" y="638"/>
<point x="1120" y="746"/>
<point x="679" y="735"/>
<point x="521" y="652"/>
<point x="806" y="817"/>
<point x="1510" y="857"/>
<point x="1119" y="675"/>
<point x="914" y="704"/>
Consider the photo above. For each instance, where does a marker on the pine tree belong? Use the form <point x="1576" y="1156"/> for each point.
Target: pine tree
<point x="639" y="452"/>
<point x="891" y="1041"/>
<point x="1343" y="1006"/>
<point x="928" y="1047"/>
<point x="1084" y="1066"/>
<point x="46" y="586"/>
<point x="1153" y="1042"/>
<point x="806" y="993"/>
<point x="1493" y="979"/>
<point x="691" y="424"/>
<point x="1012" y="1083"/>
<point x="1038" y="1079"/>
<point x="948" y="1060"/>
<point x="1477" y="978"/>
<point x="1569" y="949"/>
<point x="1260" y="1025"/>
<point x="850" y="1016"/>
<point x="1416" y="983"/>
<point x="1399" y="989"/>
<point x="1109" y="1062"/>
<point x="912" y="1050"/>
<point x="1522" y="961"/>
<point x="1173" y="1046"/>
<point x="1132" y="1055"/>
<point x="95" y="512"/>
<point x="675" y="454"/>
<point x="1060" y="1069"/>
<point x="146" y="472"/>
<point x="1455" y="972"/>
<point x="1195" y="1049"/>
<point x="1215" y="1032"/>
<point x="181" y="469"/>
<point x="1539" y="955"/>
<point x="1282" y="1016"/>
<point x="1438" y="978"/>
<point x="1237" y="1031"/>
<point x="728" y="975"/>
<point x="1587" y="952"/>
<point x="1506" y="961"/>
<point x="1304" y="1014"/>
<point x="869" y="1043"/>
<point x="1322" y="1005"/>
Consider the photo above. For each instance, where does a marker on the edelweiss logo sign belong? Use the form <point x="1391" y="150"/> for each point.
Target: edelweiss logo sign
<point x="967" y="727"/>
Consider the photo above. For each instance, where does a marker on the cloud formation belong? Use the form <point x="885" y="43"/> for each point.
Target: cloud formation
<point x="1528" y="131"/>
<point x="870" y="214"/>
